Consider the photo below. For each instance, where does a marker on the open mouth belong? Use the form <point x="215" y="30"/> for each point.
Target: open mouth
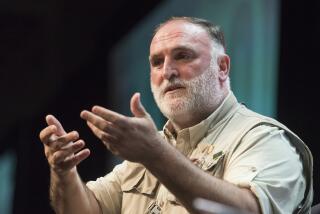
<point x="172" y="88"/>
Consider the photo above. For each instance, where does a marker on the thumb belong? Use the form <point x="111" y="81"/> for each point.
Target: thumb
<point x="136" y="107"/>
<point x="51" y="120"/>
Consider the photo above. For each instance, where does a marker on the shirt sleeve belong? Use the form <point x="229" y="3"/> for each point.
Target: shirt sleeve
<point x="269" y="165"/>
<point x="107" y="191"/>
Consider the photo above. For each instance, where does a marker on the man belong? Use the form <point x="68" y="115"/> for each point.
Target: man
<point x="212" y="147"/>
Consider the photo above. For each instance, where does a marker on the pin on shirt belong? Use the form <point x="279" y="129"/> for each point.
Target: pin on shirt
<point x="154" y="208"/>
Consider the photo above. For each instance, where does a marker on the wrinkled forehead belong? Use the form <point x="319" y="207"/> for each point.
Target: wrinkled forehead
<point x="180" y="30"/>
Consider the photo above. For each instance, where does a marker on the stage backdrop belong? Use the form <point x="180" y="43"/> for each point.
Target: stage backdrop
<point x="251" y="29"/>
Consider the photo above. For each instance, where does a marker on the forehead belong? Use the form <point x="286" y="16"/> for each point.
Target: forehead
<point x="179" y="33"/>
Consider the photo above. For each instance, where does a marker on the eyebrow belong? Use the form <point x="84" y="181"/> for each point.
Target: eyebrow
<point x="183" y="48"/>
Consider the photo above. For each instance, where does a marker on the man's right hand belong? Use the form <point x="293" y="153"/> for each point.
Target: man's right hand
<point x="63" y="150"/>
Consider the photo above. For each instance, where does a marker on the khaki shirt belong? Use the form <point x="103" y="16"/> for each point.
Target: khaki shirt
<point x="233" y="144"/>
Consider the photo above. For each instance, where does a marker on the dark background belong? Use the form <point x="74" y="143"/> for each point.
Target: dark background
<point x="51" y="57"/>
<point x="298" y="87"/>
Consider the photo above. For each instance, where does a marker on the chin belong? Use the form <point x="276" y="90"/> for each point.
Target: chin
<point x="175" y="109"/>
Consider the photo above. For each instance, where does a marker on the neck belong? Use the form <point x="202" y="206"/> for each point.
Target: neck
<point x="195" y="116"/>
<point x="188" y="120"/>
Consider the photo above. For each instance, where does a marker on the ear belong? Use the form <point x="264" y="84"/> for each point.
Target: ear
<point x="224" y="67"/>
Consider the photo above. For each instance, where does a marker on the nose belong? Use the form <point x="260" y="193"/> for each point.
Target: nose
<point x="169" y="70"/>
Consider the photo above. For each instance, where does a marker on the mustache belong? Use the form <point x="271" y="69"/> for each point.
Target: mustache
<point x="172" y="83"/>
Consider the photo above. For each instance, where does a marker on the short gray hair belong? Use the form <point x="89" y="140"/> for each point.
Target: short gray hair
<point x="213" y="30"/>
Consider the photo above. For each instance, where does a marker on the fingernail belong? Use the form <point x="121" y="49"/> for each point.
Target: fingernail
<point x="83" y="114"/>
<point x="75" y="133"/>
<point x="80" y="143"/>
<point x="94" y="108"/>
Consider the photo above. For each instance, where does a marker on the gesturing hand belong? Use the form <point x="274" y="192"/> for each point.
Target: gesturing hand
<point x="60" y="147"/>
<point x="132" y="138"/>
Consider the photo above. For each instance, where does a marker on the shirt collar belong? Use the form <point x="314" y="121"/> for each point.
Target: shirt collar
<point x="198" y="131"/>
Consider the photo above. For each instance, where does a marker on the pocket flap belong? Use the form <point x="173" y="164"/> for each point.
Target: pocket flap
<point x="141" y="181"/>
<point x="212" y="160"/>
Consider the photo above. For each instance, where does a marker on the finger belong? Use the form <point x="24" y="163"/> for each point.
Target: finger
<point x="76" y="159"/>
<point x="100" y="123"/>
<point x="61" y="141"/>
<point x="67" y="151"/>
<point x="111" y="116"/>
<point x="51" y="120"/>
<point x="105" y="137"/>
<point x="136" y="107"/>
<point x="46" y="133"/>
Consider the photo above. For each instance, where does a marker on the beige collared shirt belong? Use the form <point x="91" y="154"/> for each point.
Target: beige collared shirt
<point x="234" y="144"/>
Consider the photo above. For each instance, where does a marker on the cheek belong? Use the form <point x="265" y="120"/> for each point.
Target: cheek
<point x="155" y="78"/>
<point x="191" y="71"/>
<point x="196" y="68"/>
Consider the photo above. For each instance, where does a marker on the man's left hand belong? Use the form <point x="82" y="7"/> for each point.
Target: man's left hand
<point x="133" y="138"/>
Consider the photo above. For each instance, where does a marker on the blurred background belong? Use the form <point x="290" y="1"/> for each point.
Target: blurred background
<point x="61" y="57"/>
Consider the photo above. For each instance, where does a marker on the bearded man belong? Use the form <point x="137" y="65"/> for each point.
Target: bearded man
<point x="212" y="147"/>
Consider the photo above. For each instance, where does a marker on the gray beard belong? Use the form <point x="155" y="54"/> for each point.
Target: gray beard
<point x="203" y="94"/>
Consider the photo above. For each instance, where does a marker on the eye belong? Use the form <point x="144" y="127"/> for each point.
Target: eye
<point x="156" y="61"/>
<point x="183" y="56"/>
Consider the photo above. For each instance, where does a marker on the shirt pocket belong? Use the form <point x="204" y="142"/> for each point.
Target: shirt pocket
<point x="138" y="191"/>
<point x="142" y="182"/>
<point x="213" y="163"/>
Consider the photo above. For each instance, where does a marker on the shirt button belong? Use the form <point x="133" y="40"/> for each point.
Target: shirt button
<point x="253" y="169"/>
<point x="161" y="204"/>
